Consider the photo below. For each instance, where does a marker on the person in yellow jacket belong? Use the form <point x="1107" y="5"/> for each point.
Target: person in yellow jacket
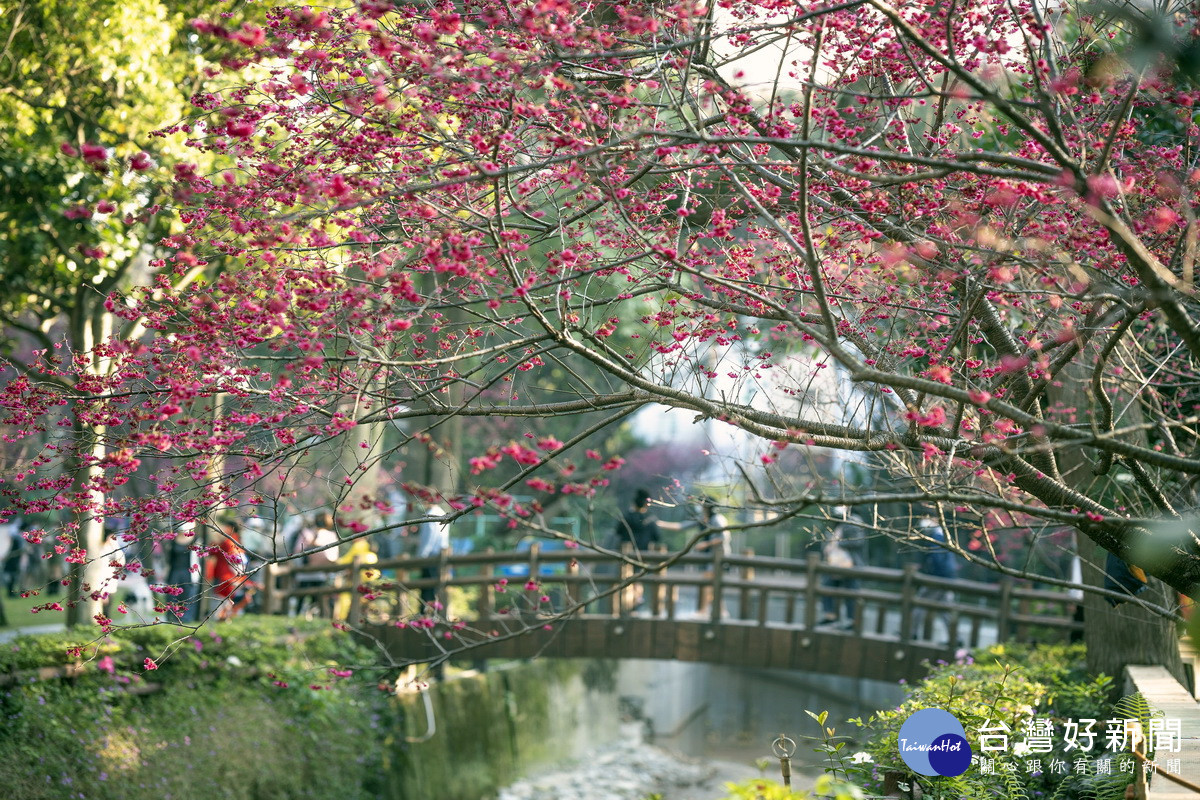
<point x="359" y="549"/>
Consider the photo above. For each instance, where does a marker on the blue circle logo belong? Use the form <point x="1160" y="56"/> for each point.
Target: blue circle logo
<point x="933" y="742"/>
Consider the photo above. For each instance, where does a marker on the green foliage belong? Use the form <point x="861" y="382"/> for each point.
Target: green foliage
<point x="763" y="789"/>
<point x="18" y="612"/>
<point x="76" y="73"/>
<point x="760" y="789"/>
<point x="1014" y="787"/>
<point x="251" y="710"/>
<point x="223" y="724"/>
<point x="107" y="73"/>
<point x="1004" y="685"/>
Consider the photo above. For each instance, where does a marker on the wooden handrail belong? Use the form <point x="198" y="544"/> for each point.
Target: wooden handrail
<point x="579" y="577"/>
<point x="548" y="560"/>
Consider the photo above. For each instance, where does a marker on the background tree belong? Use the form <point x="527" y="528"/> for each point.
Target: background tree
<point x="84" y="89"/>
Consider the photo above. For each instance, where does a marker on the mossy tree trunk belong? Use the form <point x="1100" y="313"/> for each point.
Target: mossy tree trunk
<point x="1117" y="636"/>
<point x="1127" y="633"/>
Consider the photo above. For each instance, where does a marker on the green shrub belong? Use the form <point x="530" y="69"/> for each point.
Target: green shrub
<point x="1003" y="685"/>
<point x="229" y="713"/>
<point x="764" y="789"/>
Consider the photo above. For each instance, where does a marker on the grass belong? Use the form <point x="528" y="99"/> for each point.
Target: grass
<point x="17" y="609"/>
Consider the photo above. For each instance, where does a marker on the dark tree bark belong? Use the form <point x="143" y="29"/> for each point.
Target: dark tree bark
<point x="1118" y="636"/>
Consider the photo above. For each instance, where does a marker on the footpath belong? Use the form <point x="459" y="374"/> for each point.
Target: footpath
<point x="1168" y="696"/>
<point x="8" y="634"/>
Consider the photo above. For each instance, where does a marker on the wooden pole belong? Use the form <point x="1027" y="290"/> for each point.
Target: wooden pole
<point x="625" y="597"/>
<point x="484" y="608"/>
<point x="268" y="582"/>
<point x="718" y="586"/>
<point x="354" y="617"/>
<point x="571" y="589"/>
<point x="811" y="585"/>
<point x="744" y="596"/>
<point x="442" y="593"/>
<point x="907" y="590"/>
<point x="1005" y="611"/>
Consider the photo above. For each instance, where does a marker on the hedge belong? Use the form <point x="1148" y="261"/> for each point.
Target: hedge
<point x="228" y="713"/>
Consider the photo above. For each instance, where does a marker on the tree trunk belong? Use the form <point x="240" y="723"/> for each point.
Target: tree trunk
<point x="89" y="579"/>
<point x="363" y="466"/>
<point x="92" y="578"/>
<point x="442" y="471"/>
<point x="1127" y="634"/>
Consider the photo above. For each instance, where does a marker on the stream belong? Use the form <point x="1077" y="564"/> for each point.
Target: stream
<point x="631" y="769"/>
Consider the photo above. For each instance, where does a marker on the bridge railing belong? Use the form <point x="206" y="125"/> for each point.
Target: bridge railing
<point x="746" y="589"/>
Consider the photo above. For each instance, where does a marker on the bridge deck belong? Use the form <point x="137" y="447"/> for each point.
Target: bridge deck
<point x="758" y="611"/>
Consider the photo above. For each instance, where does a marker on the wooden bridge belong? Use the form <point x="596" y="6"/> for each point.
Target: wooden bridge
<point x="763" y="612"/>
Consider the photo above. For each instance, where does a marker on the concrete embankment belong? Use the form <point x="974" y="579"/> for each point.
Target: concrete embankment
<point x="491" y="728"/>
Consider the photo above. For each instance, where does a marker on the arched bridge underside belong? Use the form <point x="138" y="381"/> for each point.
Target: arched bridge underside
<point x="746" y="610"/>
<point x="731" y="643"/>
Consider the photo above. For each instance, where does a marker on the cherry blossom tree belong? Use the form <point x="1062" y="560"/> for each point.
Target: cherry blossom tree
<point x="979" y="213"/>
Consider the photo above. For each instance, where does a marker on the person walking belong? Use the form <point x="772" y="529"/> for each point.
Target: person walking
<point x="939" y="562"/>
<point x="183" y="567"/>
<point x="391" y="542"/>
<point x="12" y="559"/>
<point x="360" y="550"/>
<point x="637" y="529"/>
<point x="322" y="540"/>
<point x="845" y="549"/>
<point x="714" y="541"/>
<point x="226" y="569"/>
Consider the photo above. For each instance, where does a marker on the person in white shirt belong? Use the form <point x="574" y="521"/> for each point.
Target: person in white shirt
<point x="433" y="538"/>
<point x="319" y="535"/>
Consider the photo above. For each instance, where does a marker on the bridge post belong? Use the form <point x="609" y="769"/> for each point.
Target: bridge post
<point x="354" y="617"/>
<point x="906" y="601"/>
<point x="484" y="607"/>
<point x="287" y="584"/>
<point x="658" y="600"/>
<point x="811" y="583"/>
<point x="570" y="590"/>
<point x="747" y="574"/>
<point x="718" y="586"/>
<point x="1005" y="610"/>
<point x="1021" y="629"/>
<point x="531" y="595"/>
<point x="404" y="601"/>
<point x="535" y="550"/>
<point x="626" y="597"/>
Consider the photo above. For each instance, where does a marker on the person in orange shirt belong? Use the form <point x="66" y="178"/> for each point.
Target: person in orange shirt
<point x="226" y="569"/>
